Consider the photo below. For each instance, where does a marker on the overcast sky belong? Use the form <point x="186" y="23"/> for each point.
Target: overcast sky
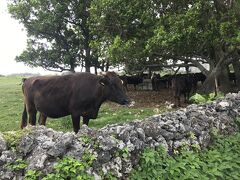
<point x="13" y="40"/>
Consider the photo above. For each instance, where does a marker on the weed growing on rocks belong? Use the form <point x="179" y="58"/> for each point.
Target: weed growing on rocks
<point x="70" y="168"/>
<point x="220" y="161"/>
<point x="13" y="138"/>
<point x="18" y="165"/>
<point x="32" y="175"/>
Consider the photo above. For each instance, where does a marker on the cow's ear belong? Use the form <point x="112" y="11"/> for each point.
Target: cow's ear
<point x="104" y="81"/>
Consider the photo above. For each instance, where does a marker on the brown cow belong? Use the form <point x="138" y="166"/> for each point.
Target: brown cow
<point x="79" y="94"/>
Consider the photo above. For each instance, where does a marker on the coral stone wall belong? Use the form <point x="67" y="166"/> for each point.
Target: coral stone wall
<point x="118" y="147"/>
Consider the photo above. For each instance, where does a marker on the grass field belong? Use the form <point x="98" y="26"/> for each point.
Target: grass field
<point x="11" y="107"/>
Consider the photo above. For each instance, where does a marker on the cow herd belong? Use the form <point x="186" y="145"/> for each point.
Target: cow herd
<point x="179" y="84"/>
<point x="81" y="94"/>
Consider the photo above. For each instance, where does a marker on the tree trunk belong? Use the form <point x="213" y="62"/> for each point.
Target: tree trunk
<point x="87" y="59"/>
<point x="107" y="66"/>
<point x="86" y="34"/>
<point x="72" y="69"/>
<point x="209" y="84"/>
<point x="187" y="67"/>
<point x="236" y="67"/>
<point x="95" y="69"/>
<point x="72" y="66"/>
<point x="223" y="78"/>
<point x="87" y="69"/>
<point x="220" y="72"/>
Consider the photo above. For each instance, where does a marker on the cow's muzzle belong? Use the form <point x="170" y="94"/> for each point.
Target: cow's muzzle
<point x="128" y="103"/>
<point x="125" y="102"/>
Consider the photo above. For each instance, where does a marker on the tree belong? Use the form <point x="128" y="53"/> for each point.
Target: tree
<point x="58" y="33"/>
<point x="203" y="31"/>
<point x="122" y="29"/>
<point x="191" y="31"/>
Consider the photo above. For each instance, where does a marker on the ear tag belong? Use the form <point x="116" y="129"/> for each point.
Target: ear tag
<point x="102" y="83"/>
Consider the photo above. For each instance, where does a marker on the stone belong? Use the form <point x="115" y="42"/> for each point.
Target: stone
<point x="7" y="157"/>
<point x="223" y="106"/>
<point x="27" y="144"/>
<point x="3" y="144"/>
<point x="37" y="161"/>
<point x="103" y="157"/>
<point x="141" y="134"/>
<point x="62" y="144"/>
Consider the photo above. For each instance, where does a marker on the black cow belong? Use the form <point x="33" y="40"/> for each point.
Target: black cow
<point x="232" y="77"/>
<point x="135" y="80"/>
<point x="156" y="82"/>
<point x="167" y="80"/>
<point x="79" y="94"/>
<point x="199" y="77"/>
<point x="194" y="78"/>
<point x="182" y="85"/>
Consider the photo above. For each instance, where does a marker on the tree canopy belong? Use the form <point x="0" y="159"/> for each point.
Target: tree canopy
<point x="192" y="31"/>
<point x="67" y="34"/>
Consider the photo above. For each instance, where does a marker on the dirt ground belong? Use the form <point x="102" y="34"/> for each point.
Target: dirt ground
<point x="152" y="99"/>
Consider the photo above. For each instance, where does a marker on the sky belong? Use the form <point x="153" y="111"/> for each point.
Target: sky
<point x="13" y="40"/>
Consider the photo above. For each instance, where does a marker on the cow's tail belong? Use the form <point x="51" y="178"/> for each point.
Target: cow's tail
<point x="24" y="114"/>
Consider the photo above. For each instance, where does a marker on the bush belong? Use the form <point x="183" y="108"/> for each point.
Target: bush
<point x="200" y="99"/>
<point x="220" y="161"/>
<point x="66" y="168"/>
<point x="197" y="99"/>
<point x="69" y="168"/>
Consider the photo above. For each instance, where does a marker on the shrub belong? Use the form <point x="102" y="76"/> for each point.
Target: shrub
<point x="220" y="161"/>
<point x="32" y="175"/>
<point x="200" y="99"/>
<point x="18" y="165"/>
<point x="197" y="99"/>
<point x="70" y="168"/>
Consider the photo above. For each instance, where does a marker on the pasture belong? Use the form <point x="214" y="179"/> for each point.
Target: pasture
<point x="147" y="103"/>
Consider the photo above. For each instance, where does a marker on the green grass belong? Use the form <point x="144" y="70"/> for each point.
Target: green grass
<point x="11" y="107"/>
<point x="107" y="115"/>
<point x="11" y="103"/>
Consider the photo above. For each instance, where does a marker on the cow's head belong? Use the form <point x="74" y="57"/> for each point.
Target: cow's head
<point x="116" y="90"/>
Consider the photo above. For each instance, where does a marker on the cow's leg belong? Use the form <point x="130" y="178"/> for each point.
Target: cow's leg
<point x="185" y="97"/>
<point x="125" y="85"/>
<point x="76" y="123"/>
<point x="42" y="119"/>
<point x="188" y="97"/>
<point x="179" y="101"/>
<point x="85" y="120"/>
<point x="39" y="118"/>
<point x="24" y="117"/>
<point x="32" y="115"/>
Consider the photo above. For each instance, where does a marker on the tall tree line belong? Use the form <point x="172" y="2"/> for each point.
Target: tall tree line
<point x="102" y="33"/>
<point x="192" y="31"/>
